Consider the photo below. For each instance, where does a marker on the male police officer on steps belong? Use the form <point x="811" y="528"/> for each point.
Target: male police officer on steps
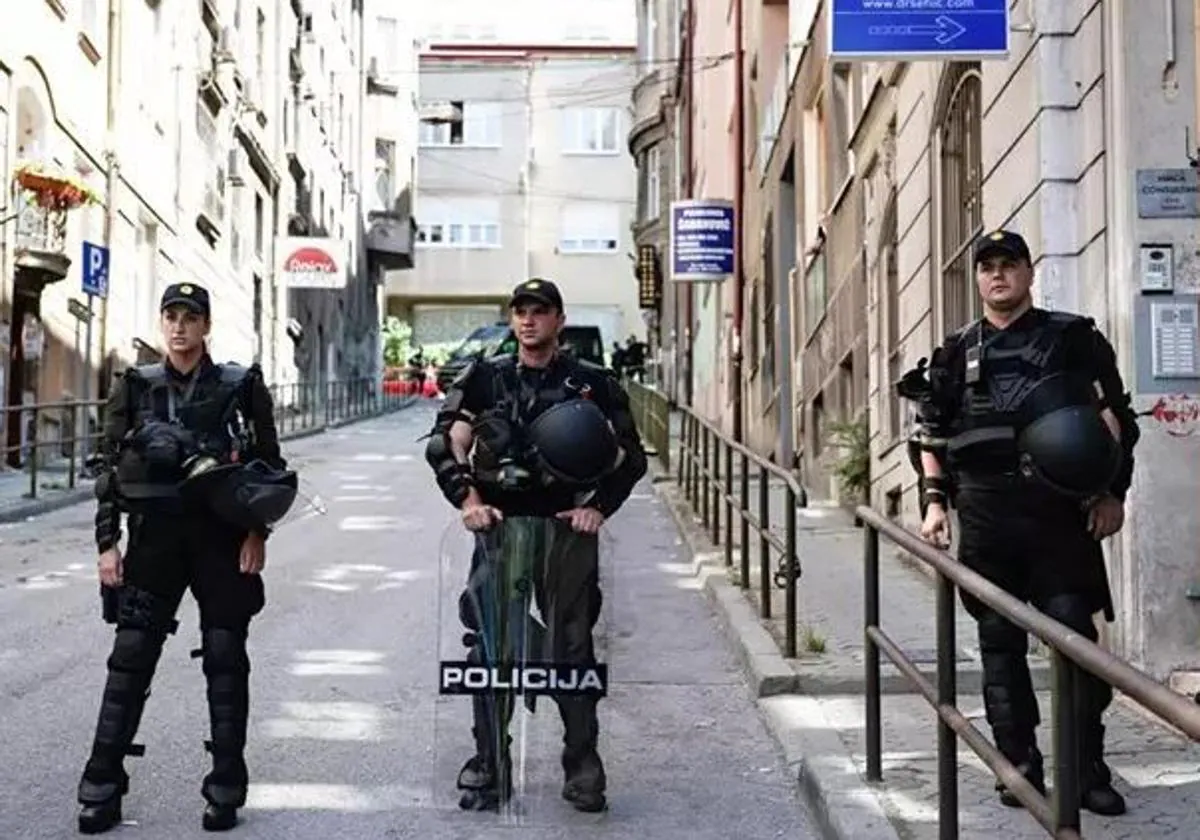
<point x="163" y="423"/>
<point x="1026" y="428"/>
<point x="575" y="416"/>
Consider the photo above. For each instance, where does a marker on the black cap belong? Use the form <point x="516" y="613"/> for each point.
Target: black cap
<point x="1002" y="242"/>
<point x="542" y="291"/>
<point x="190" y="295"/>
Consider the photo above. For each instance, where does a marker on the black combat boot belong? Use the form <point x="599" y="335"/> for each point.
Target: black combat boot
<point x="227" y="670"/>
<point x="104" y="782"/>
<point x="1096" y="792"/>
<point x="584" y="781"/>
<point x="1029" y="763"/>
<point x="486" y="779"/>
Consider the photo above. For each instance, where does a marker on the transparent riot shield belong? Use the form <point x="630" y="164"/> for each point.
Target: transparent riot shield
<point x="523" y="671"/>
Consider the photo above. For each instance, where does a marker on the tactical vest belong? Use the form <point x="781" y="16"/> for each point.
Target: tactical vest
<point x="209" y="426"/>
<point x="990" y="415"/>
<point x="502" y="456"/>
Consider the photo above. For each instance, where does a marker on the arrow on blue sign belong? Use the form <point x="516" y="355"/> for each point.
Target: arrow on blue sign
<point x="907" y="30"/>
<point x="944" y="30"/>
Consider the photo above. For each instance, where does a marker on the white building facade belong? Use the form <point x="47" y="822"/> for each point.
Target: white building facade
<point x="197" y="116"/>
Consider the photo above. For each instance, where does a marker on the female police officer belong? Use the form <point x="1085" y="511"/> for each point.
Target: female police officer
<point x="163" y="423"/>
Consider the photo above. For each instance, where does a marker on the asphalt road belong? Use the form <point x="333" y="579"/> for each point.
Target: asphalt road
<point x="348" y="737"/>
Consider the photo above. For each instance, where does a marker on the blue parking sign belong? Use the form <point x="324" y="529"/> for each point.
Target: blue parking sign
<point x="95" y="270"/>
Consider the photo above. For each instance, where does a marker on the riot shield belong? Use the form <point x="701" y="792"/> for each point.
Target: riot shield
<point x="524" y="619"/>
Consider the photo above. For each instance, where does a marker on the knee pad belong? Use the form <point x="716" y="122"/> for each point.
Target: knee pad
<point x="135" y="651"/>
<point x="1074" y="611"/>
<point x="138" y="609"/>
<point x="224" y="652"/>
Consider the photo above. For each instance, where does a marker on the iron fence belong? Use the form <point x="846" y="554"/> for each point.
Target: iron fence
<point x="1058" y="813"/>
<point x="61" y="434"/>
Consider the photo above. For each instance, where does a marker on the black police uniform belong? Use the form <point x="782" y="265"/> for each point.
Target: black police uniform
<point x="502" y="389"/>
<point x="1019" y="533"/>
<point x="174" y="545"/>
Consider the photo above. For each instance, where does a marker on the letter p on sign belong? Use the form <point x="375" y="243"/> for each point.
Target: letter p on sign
<point x="95" y="270"/>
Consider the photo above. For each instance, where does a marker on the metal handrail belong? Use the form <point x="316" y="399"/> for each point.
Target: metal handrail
<point x="703" y="481"/>
<point x="298" y="407"/>
<point x="652" y="415"/>
<point x="1059" y="815"/>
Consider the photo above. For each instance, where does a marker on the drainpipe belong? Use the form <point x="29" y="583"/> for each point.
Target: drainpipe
<point x="112" y="174"/>
<point x="738" y="213"/>
<point x="688" y="289"/>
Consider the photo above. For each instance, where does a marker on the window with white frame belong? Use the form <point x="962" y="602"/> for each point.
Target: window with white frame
<point x="590" y="228"/>
<point x="479" y="127"/>
<point x="459" y="222"/>
<point x="591" y="131"/>
<point x="651" y="184"/>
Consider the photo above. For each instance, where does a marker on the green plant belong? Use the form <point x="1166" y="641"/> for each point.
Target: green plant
<point x="814" y="642"/>
<point x="853" y="467"/>
<point x="397" y="342"/>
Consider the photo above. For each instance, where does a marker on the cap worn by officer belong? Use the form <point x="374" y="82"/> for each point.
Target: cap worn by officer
<point x="189" y="295"/>
<point x="1002" y="243"/>
<point x="539" y="291"/>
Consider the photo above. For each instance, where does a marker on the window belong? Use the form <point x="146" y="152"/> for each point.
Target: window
<point x="890" y="298"/>
<point x="259" y="226"/>
<point x="459" y="222"/>
<point x="385" y="173"/>
<point x="650" y="196"/>
<point x="591" y="131"/>
<point x="387" y="33"/>
<point x="479" y="127"/>
<point x="258" y="318"/>
<point x="590" y="229"/>
<point x="959" y="192"/>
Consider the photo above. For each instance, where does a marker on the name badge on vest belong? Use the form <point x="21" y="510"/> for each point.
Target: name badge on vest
<point x="973" y="367"/>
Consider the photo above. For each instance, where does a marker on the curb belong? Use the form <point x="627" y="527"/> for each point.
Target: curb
<point x="76" y="495"/>
<point x="842" y="804"/>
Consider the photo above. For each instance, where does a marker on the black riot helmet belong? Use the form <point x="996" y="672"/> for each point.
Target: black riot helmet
<point x="573" y="442"/>
<point x="251" y="496"/>
<point x="1064" y="442"/>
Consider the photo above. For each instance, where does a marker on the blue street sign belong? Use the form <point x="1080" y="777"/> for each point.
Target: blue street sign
<point x="908" y="30"/>
<point x="703" y="239"/>
<point x="95" y="270"/>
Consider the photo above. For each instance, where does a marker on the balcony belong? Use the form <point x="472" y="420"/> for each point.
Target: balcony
<point x="41" y="243"/>
<point x="391" y="234"/>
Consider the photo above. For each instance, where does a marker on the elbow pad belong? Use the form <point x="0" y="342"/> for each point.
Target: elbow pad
<point x="453" y="478"/>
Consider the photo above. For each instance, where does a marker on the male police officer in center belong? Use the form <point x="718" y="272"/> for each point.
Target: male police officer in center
<point x="1026" y="428"/>
<point x="538" y="381"/>
<point x="163" y="422"/>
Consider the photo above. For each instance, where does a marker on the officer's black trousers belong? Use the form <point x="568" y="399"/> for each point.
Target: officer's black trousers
<point x="1037" y="549"/>
<point x="567" y="594"/>
<point x="1012" y="709"/>
<point x="163" y="560"/>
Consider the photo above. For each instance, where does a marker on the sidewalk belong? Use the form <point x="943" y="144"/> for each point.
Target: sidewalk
<point x="55" y="488"/>
<point x="814" y="703"/>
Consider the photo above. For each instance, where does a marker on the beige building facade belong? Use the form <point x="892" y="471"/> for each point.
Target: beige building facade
<point x="874" y="180"/>
<point x="523" y="171"/>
